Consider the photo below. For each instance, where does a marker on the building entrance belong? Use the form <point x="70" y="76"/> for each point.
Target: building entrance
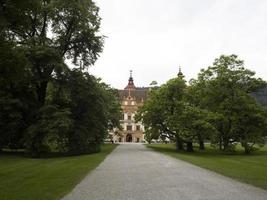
<point x="129" y="138"/>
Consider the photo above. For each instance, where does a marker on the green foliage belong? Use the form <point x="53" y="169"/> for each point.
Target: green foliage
<point x="250" y="124"/>
<point x="167" y="114"/>
<point x="158" y="111"/>
<point x="217" y="106"/>
<point x="152" y="133"/>
<point x="46" y="33"/>
<point x="91" y="112"/>
<point x="45" y="106"/>
<point x="15" y="95"/>
<point x="70" y="28"/>
<point x="11" y="123"/>
<point x="49" y="130"/>
<point x="79" y="113"/>
<point x="225" y="89"/>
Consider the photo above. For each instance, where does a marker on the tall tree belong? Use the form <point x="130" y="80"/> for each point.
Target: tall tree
<point x="79" y="112"/>
<point x="168" y="113"/>
<point x="224" y="89"/>
<point x="49" y="31"/>
<point x="16" y="94"/>
<point x="158" y="110"/>
<point x="37" y="37"/>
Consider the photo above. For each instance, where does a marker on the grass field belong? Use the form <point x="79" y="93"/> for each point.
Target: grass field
<point x="45" y="179"/>
<point x="251" y="169"/>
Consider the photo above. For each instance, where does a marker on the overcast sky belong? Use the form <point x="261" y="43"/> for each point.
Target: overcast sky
<point x="154" y="37"/>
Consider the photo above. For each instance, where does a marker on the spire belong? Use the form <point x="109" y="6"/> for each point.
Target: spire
<point x="180" y="74"/>
<point x="130" y="81"/>
<point x="131" y="76"/>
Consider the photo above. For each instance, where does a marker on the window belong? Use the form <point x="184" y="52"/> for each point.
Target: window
<point x="122" y="116"/>
<point x="132" y="103"/>
<point x="129" y="127"/>
<point x="125" y="102"/>
<point x="129" y="117"/>
<point x="138" y="127"/>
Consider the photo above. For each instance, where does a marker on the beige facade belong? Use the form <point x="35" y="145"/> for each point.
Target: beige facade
<point x="131" y="99"/>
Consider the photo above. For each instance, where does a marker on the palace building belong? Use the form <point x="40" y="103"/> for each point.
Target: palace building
<point x="131" y="98"/>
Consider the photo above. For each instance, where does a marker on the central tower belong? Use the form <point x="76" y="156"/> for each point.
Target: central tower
<point x="131" y="98"/>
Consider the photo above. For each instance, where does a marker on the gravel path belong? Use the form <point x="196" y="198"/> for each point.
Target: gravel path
<point x="133" y="171"/>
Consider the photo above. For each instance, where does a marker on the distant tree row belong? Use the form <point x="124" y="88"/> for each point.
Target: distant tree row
<point x="218" y="106"/>
<point x="45" y="105"/>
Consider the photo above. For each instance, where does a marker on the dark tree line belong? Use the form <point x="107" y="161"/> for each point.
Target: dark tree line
<point x="218" y="106"/>
<point x="45" y="105"/>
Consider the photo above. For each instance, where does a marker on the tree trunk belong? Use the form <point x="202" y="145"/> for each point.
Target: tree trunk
<point x="247" y="148"/>
<point x="220" y="143"/>
<point x="189" y="147"/>
<point x="179" y="144"/>
<point x="201" y="145"/>
<point x="35" y="147"/>
<point x="225" y="144"/>
<point x="41" y="92"/>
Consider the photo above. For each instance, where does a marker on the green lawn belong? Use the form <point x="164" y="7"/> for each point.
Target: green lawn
<point x="250" y="169"/>
<point x="48" y="179"/>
